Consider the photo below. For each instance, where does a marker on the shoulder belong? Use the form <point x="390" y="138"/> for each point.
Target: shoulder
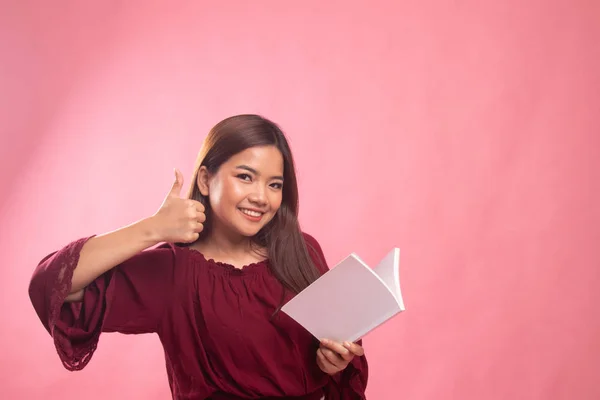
<point x="164" y="250"/>
<point x="167" y="247"/>
<point x="161" y="255"/>
<point x="315" y="252"/>
<point x="181" y="253"/>
<point x="311" y="243"/>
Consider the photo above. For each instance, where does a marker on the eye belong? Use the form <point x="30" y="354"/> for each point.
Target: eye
<point x="245" y="177"/>
<point x="277" y="185"/>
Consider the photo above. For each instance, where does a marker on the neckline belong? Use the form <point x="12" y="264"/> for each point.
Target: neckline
<point x="226" y="267"/>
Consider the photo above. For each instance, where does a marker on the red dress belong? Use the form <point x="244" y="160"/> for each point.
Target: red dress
<point x="214" y="321"/>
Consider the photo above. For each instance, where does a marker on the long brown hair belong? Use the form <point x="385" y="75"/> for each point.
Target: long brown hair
<point x="287" y="253"/>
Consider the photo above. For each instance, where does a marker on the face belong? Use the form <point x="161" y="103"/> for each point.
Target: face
<point x="245" y="192"/>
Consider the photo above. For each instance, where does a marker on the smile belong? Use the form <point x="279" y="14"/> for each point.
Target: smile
<point x="255" y="215"/>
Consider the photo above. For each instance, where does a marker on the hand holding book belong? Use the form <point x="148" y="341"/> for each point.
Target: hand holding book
<point x="333" y="357"/>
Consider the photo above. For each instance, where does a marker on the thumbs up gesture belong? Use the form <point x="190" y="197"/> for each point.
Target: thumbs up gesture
<point x="179" y="220"/>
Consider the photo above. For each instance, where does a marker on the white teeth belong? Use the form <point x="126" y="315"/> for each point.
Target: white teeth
<point x="251" y="213"/>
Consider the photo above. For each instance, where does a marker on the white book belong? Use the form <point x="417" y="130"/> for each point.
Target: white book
<point x="350" y="300"/>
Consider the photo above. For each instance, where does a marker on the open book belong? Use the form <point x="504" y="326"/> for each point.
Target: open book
<point x="349" y="300"/>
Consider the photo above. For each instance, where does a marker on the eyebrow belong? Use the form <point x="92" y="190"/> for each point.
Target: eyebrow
<point x="255" y="172"/>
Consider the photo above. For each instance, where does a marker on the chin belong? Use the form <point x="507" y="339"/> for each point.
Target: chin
<point x="245" y="231"/>
<point x="252" y="230"/>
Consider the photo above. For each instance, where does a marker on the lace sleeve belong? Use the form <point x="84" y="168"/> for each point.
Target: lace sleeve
<point x="129" y="298"/>
<point x="48" y="289"/>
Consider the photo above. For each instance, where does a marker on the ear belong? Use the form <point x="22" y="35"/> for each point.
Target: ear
<point x="203" y="180"/>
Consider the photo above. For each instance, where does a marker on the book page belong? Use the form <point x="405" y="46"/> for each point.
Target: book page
<point x="388" y="270"/>
<point x="343" y="304"/>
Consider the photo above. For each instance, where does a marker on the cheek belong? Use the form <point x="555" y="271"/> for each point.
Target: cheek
<point x="216" y="195"/>
<point x="226" y="193"/>
<point x="275" y="201"/>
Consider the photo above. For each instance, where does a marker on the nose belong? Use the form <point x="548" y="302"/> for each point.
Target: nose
<point x="258" y="196"/>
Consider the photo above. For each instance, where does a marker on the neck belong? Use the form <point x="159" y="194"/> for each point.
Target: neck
<point x="221" y="243"/>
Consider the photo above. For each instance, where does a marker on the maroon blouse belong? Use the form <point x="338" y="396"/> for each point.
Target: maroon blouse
<point x="213" y="320"/>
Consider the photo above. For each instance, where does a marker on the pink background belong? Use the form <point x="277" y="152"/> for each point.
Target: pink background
<point x="483" y="118"/>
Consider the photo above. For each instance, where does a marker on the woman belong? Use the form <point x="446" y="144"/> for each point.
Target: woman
<point x="228" y="257"/>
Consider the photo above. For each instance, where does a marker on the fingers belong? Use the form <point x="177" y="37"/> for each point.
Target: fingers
<point x="195" y="204"/>
<point x="338" y="348"/>
<point x="334" y="358"/>
<point x="321" y="362"/>
<point x="195" y="226"/>
<point x="191" y="237"/>
<point x="324" y="363"/>
<point x="355" y="348"/>
<point x="177" y="184"/>
<point x="198" y="206"/>
<point x="196" y="211"/>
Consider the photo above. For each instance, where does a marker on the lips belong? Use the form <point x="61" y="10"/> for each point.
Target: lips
<point x="252" y="215"/>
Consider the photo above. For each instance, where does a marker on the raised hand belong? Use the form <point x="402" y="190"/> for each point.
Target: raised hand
<point x="333" y="357"/>
<point x="179" y="220"/>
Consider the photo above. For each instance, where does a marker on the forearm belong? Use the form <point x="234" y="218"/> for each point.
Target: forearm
<point x="104" y="252"/>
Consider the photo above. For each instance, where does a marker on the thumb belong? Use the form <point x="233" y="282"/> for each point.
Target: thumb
<point x="177" y="184"/>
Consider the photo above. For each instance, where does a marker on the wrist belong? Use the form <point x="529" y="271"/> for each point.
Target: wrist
<point x="149" y="231"/>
